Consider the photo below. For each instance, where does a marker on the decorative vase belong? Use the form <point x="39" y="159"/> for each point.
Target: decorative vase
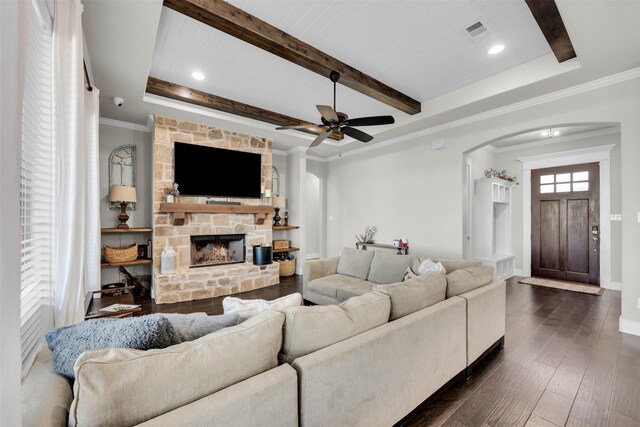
<point x="167" y="259"/>
<point x="169" y="198"/>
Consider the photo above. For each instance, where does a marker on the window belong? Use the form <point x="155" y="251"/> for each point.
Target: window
<point x="36" y="189"/>
<point x="564" y="182"/>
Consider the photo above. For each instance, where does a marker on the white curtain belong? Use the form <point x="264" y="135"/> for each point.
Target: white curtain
<point x="14" y="20"/>
<point x="77" y="234"/>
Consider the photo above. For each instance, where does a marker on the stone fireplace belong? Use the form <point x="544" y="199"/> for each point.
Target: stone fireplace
<point x="224" y="267"/>
<point x="217" y="249"/>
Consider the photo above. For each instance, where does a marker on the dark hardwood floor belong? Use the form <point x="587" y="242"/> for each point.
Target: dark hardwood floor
<point x="564" y="363"/>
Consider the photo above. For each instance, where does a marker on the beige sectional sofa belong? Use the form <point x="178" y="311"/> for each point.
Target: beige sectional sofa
<point x="369" y="360"/>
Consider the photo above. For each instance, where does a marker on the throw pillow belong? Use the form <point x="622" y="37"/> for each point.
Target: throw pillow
<point x="142" y="333"/>
<point x="408" y="274"/>
<point x="310" y="328"/>
<point x="414" y="294"/>
<point x="191" y="328"/>
<point x="467" y="279"/>
<point x="251" y="307"/>
<point x="388" y="268"/>
<point x="428" y="265"/>
<point x="355" y="263"/>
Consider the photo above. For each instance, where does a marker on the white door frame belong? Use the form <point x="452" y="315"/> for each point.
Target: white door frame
<point x="470" y="193"/>
<point x="601" y="154"/>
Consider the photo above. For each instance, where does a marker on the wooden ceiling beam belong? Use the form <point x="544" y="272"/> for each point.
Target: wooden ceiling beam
<point x="237" y="23"/>
<point x="204" y="99"/>
<point x="548" y="17"/>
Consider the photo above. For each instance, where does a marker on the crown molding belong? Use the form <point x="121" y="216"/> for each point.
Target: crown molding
<point x="125" y="125"/>
<point x="531" y="102"/>
<point x="278" y="152"/>
<point x="556" y="140"/>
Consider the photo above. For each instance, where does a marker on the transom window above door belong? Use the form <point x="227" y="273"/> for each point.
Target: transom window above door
<point x="564" y="182"/>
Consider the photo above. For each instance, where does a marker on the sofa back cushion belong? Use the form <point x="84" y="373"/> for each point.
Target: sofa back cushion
<point x="125" y="387"/>
<point x="355" y="262"/>
<point x="388" y="268"/>
<point x="467" y="279"/>
<point x="414" y="294"/>
<point x="307" y="329"/>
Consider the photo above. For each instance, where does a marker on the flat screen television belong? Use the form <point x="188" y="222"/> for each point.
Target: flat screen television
<point x="208" y="171"/>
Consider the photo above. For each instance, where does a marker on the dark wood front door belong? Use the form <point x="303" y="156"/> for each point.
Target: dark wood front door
<point x="565" y="226"/>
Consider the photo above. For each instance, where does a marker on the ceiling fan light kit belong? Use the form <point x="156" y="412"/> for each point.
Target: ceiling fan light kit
<point x="333" y="120"/>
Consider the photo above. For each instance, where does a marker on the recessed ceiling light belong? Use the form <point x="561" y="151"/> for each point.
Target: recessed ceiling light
<point x="555" y="133"/>
<point x="546" y="133"/>
<point x="197" y="75"/>
<point x="496" y="49"/>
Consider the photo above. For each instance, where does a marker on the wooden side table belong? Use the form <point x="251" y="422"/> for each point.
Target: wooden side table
<point x="93" y="305"/>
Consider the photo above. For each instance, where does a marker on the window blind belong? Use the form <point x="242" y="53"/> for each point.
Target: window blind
<point x="36" y="189"/>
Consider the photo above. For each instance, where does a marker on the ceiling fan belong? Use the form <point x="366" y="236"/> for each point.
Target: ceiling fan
<point x="333" y="120"/>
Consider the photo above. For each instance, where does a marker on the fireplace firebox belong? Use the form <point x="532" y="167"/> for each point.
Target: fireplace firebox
<point x="217" y="249"/>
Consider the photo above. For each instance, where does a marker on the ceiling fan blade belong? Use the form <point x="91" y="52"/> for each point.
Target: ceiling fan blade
<point x="320" y="138"/>
<point x="309" y="126"/>
<point x="357" y="134"/>
<point x="372" y="121"/>
<point x="328" y="113"/>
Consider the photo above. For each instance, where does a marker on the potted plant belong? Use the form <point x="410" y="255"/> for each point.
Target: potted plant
<point x="171" y="192"/>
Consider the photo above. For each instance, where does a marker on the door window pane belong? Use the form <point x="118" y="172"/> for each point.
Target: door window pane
<point x="546" y="179"/>
<point x="563" y="188"/>
<point x="547" y="188"/>
<point x="580" y="186"/>
<point x="563" y="177"/>
<point x="581" y="176"/>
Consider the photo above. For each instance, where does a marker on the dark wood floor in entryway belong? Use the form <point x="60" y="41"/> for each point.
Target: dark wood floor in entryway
<point x="564" y="363"/>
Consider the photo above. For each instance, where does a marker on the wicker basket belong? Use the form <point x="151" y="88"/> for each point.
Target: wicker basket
<point x="124" y="254"/>
<point x="280" y="244"/>
<point x="287" y="268"/>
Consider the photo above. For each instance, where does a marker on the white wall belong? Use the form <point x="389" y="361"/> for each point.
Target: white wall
<point x="312" y="224"/>
<point x="407" y="189"/>
<point x="280" y="162"/>
<point x="296" y="203"/>
<point x="112" y="137"/>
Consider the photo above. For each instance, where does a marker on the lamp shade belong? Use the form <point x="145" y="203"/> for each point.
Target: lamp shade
<point x="122" y="193"/>
<point x="278" y="202"/>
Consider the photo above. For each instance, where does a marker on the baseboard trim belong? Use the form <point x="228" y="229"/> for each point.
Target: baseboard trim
<point x="299" y="271"/>
<point x="517" y="272"/>
<point x="629" y="326"/>
<point x="614" y="286"/>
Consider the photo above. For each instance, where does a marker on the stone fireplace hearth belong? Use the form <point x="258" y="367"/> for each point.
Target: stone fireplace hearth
<point x="217" y="249"/>
<point x="224" y="267"/>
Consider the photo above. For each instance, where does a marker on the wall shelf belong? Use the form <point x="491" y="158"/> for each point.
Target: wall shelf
<point x="126" y="230"/>
<point x="286" y="227"/>
<point x="139" y="261"/>
<point x="179" y="210"/>
<point x="275" y="251"/>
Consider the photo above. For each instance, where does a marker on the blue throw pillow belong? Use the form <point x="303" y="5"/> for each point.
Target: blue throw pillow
<point x="141" y="333"/>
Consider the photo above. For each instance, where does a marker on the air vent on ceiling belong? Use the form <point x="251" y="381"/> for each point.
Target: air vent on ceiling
<point x="476" y="31"/>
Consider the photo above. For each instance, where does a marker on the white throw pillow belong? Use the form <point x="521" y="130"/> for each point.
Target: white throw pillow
<point x="251" y="307"/>
<point x="428" y="265"/>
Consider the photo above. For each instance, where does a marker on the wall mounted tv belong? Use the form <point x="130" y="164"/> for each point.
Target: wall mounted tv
<point x="208" y="171"/>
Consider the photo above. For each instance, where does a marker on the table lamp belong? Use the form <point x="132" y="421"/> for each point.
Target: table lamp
<point x="122" y="194"/>
<point x="278" y="203"/>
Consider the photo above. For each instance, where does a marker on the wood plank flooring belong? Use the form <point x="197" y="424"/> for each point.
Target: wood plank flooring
<point x="564" y="363"/>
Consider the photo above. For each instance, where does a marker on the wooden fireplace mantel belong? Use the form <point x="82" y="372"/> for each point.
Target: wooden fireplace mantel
<point x="179" y="210"/>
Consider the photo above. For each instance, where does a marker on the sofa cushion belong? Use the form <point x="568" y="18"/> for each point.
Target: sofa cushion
<point x="250" y="307"/>
<point x="308" y="329"/>
<point x="142" y="333"/>
<point x="329" y="285"/>
<point x="127" y="387"/>
<point x="414" y="294"/>
<point x="388" y="268"/>
<point x="467" y="279"/>
<point x="193" y="326"/>
<point x="355" y="263"/>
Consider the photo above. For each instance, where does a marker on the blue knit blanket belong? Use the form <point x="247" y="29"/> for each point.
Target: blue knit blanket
<point x="142" y="333"/>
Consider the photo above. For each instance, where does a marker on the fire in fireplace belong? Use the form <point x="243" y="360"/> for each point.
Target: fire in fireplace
<point x="217" y="249"/>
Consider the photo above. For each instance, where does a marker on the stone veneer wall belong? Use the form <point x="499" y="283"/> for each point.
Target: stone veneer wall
<point x="185" y="283"/>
